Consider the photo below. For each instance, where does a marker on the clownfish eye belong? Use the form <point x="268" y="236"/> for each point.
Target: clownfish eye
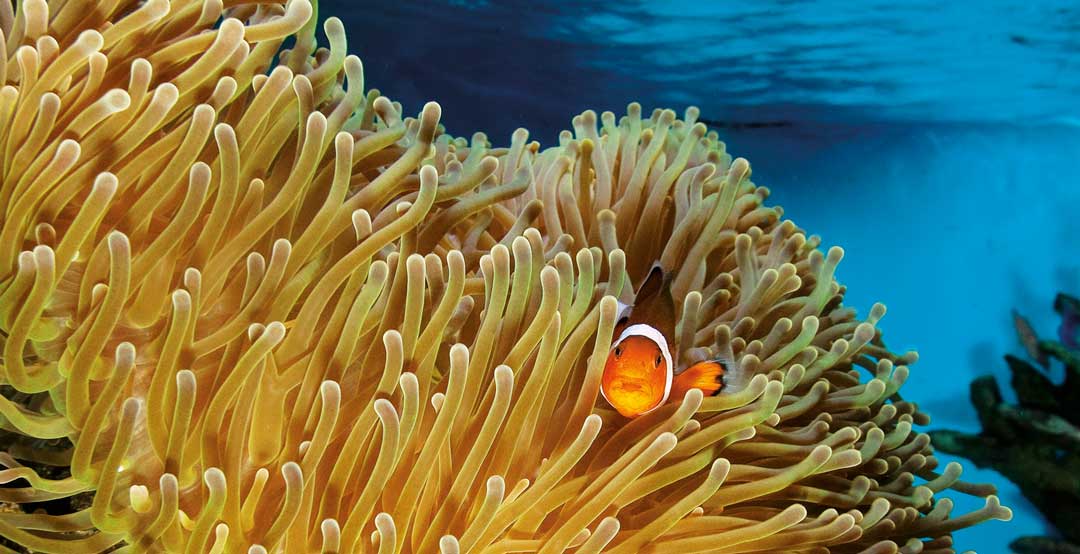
<point x="618" y="351"/>
<point x="659" y="360"/>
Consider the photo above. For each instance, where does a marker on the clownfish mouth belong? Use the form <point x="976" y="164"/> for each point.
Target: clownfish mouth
<point x="629" y="386"/>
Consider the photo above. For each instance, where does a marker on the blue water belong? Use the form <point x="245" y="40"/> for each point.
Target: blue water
<point x="496" y="65"/>
<point x="938" y="143"/>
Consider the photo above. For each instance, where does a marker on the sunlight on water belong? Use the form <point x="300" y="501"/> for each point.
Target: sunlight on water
<point x="1006" y="61"/>
<point x="955" y="61"/>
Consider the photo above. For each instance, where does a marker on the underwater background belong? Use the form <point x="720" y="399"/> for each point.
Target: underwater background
<point x="937" y="143"/>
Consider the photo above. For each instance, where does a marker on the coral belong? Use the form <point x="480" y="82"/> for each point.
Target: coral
<point x="272" y="314"/>
<point x="1036" y="442"/>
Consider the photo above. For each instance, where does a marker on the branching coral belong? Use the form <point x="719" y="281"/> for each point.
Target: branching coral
<point x="1036" y="441"/>
<point x="272" y="314"/>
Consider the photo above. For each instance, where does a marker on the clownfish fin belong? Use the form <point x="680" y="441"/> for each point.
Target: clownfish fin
<point x="653" y="304"/>
<point x="654" y="284"/>
<point x="735" y="377"/>
<point x="707" y="376"/>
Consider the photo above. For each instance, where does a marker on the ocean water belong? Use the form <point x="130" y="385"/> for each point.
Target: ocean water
<point x="938" y="143"/>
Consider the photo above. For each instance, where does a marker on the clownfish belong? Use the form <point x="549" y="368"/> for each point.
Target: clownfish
<point x="640" y="374"/>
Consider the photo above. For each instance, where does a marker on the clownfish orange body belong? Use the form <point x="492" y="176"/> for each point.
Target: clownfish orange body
<point x="639" y="375"/>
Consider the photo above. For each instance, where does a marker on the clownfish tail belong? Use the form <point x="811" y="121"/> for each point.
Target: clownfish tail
<point x="708" y="376"/>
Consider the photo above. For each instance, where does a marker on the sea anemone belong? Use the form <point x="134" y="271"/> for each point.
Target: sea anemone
<point x="251" y="307"/>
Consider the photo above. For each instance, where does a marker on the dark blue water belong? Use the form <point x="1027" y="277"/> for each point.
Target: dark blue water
<point x="495" y="65"/>
<point x="938" y="143"/>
